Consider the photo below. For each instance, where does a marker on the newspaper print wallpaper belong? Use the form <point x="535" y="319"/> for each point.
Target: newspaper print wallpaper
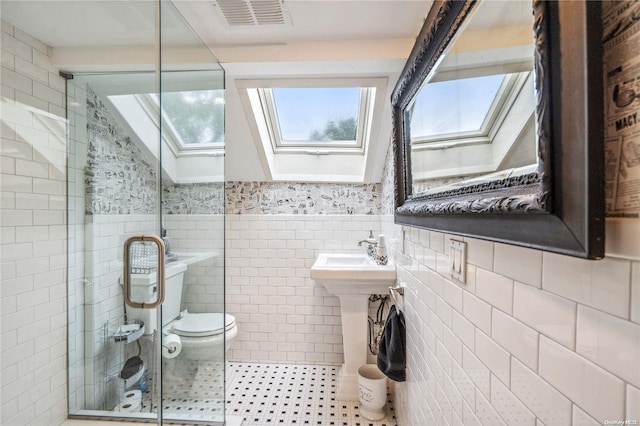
<point x="119" y="177"/>
<point x="302" y="198"/>
<point x="193" y="198"/>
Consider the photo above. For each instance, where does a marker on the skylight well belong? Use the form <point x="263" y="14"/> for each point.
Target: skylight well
<point x="315" y="129"/>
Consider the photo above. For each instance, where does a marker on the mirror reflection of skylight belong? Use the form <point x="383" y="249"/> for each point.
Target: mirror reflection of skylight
<point x="317" y="114"/>
<point x="453" y="106"/>
<point x="197" y="117"/>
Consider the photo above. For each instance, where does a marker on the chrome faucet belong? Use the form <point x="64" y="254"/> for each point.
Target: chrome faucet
<point x="372" y="243"/>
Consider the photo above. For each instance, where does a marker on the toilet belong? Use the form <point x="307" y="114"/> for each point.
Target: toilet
<point x="202" y="335"/>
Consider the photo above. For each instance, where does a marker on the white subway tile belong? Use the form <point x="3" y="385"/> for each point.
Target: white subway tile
<point x="464" y="384"/>
<point x="13" y="183"/>
<point x="8" y="270"/>
<point x="603" y="284"/>
<point x="635" y="292"/>
<point x="480" y="253"/>
<point x="436" y="241"/>
<point x="27" y="201"/>
<point x="464" y="329"/>
<point x="44" y="92"/>
<point x="486" y="413"/>
<point x="16" y="252"/>
<point x="453" y="345"/>
<point x="542" y="399"/>
<point x="28" y="69"/>
<point x="495" y="289"/>
<point x="443" y="310"/>
<point x="15" y="46"/>
<point x="48" y="217"/>
<point x="8" y="166"/>
<point x="452" y="294"/>
<point x="512" y="411"/>
<point x="444" y="404"/>
<point x="515" y="337"/>
<point x="468" y="416"/>
<point x="477" y="311"/>
<point x="16" y="217"/>
<point x="8" y="200"/>
<point x="553" y="316"/>
<point x="519" y="263"/>
<point x="632" y="411"/>
<point x="610" y="342"/>
<point x="30" y="40"/>
<point x="598" y="392"/>
<point x="12" y="148"/>
<point x="476" y="371"/>
<point x="583" y="419"/>
<point x="493" y="356"/>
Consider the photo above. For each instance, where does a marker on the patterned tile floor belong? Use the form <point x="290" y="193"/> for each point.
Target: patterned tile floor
<point x="261" y="394"/>
<point x="192" y="391"/>
<point x="285" y="394"/>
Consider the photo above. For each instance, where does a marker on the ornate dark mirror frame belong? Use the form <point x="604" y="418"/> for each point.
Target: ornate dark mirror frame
<point x="560" y="208"/>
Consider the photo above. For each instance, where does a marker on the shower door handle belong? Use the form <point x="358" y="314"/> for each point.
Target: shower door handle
<point x="159" y="266"/>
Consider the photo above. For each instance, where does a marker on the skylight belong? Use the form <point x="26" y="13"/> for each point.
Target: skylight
<point x="316" y="130"/>
<point x="195" y="119"/>
<point x="331" y="118"/>
<point x="442" y="108"/>
<point x="316" y="114"/>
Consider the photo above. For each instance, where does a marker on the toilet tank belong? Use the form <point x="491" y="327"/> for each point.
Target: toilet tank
<point x="144" y="288"/>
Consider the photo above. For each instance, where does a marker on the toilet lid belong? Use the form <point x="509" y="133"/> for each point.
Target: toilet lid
<point x="199" y="325"/>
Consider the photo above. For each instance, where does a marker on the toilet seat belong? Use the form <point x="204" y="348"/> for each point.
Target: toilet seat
<point x="202" y="325"/>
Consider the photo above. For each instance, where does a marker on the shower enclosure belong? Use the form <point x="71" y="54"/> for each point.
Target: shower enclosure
<point x="146" y="158"/>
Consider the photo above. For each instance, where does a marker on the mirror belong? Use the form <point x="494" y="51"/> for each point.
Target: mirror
<point x="474" y="114"/>
<point x="498" y="125"/>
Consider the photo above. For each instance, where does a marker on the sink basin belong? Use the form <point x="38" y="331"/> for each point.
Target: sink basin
<point x="352" y="277"/>
<point x="352" y="274"/>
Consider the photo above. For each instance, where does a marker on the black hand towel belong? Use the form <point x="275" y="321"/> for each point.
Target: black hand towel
<point x="391" y="350"/>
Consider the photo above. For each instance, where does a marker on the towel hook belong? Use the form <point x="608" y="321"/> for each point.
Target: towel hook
<point x="399" y="289"/>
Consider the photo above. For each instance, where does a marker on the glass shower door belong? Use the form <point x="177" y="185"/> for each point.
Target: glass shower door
<point x="146" y="155"/>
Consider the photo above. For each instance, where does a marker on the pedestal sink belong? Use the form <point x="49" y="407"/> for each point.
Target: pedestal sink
<point x="352" y="277"/>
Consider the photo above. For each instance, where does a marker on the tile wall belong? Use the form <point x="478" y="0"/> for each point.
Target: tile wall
<point x="532" y="338"/>
<point x="202" y="235"/>
<point x="34" y="341"/>
<point x="282" y="314"/>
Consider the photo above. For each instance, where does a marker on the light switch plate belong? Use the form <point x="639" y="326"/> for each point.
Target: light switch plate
<point x="458" y="260"/>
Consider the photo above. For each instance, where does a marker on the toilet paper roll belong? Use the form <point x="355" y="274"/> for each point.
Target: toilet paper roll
<point x="130" y="406"/>
<point x="131" y="396"/>
<point x="171" y="346"/>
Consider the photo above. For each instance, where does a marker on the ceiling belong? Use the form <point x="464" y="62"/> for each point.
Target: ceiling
<point x="120" y="23"/>
<point x="319" y="39"/>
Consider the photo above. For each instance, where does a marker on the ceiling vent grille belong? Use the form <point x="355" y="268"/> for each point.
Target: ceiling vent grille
<point x="241" y="13"/>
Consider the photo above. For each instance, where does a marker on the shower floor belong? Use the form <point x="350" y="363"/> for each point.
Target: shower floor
<point x="261" y="394"/>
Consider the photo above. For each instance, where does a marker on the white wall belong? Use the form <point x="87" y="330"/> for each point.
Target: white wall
<point x="34" y="317"/>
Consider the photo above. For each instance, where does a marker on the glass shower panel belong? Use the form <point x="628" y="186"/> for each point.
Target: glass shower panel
<point x="192" y="103"/>
<point x="113" y="187"/>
